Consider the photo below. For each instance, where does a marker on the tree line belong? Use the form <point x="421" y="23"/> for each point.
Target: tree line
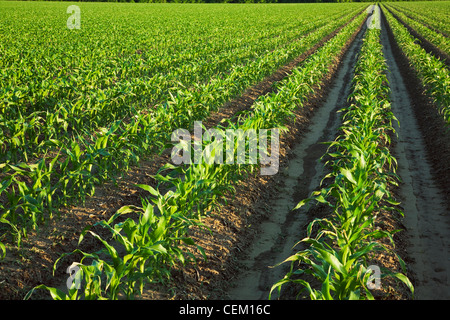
<point x="234" y="1"/>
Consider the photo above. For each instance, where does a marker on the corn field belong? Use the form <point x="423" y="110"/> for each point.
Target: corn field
<point x="93" y="92"/>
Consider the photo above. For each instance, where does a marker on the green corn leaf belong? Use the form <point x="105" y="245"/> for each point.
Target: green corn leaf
<point x="347" y="173"/>
<point x="188" y="241"/>
<point x="302" y="203"/>
<point x="2" y="250"/>
<point x="55" y="293"/>
<point x="405" y="280"/>
<point x="326" y="288"/>
<point x="111" y="250"/>
<point x="149" y="189"/>
<point x="332" y="260"/>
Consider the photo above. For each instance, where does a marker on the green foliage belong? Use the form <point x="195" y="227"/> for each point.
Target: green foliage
<point x="436" y="38"/>
<point x="433" y="73"/>
<point x="432" y="14"/>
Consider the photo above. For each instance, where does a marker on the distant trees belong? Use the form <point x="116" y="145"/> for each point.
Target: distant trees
<point x="231" y="1"/>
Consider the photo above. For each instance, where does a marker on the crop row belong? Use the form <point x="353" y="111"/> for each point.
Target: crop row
<point x="31" y="192"/>
<point x="154" y="235"/>
<point x="434" y="15"/>
<point x="340" y="246"/>
<point x="432" y="72"/>
<point x="435" y="38"/>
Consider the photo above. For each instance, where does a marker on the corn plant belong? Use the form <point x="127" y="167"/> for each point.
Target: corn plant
<point x="85" y="106"/>
<point x="432" y="16"/>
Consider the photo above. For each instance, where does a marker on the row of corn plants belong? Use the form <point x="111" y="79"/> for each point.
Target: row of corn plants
<point x="338" y="248"/>
<point x="435" y="38"/>
<point x="31" y="192"/>
<point x="153" y="237"/>
<point x="433" y="15"/>
<point x="432" y="72"/>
